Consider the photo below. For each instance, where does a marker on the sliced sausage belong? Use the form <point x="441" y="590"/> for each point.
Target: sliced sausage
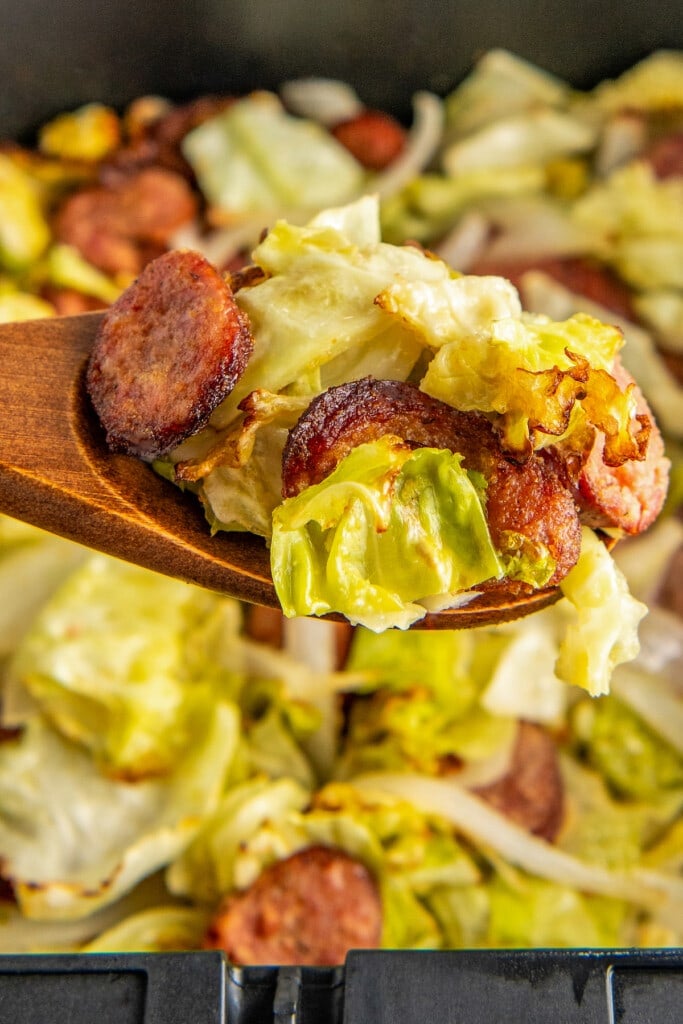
<point x="531" y="793"/>
<point x="374" y="138"/>
<point x="156" y="129"/>
<point x="69" y="302"/>
<point x="529" y="499"/>
<point x="631" y="496"/>
<point x="119" y="229"/>
<point x="665" y="156"/>
<point x="265" y="625"/>
<point x="169" y="350"/>
<point x="309" y="909"/>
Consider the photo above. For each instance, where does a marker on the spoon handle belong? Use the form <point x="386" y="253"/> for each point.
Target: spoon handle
<point x="56" y="473"/>
<point x="45" y="476"/>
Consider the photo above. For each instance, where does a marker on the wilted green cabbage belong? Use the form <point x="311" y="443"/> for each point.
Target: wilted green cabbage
<point x="122" y="659"/>
<point x="254" y="157"/>
<point x="389" y="533"/>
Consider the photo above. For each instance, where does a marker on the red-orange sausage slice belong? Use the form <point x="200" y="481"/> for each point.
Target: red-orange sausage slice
<point x="531" y="793"/>
<point x="309" y="909"/>
<point x="373" y="137"/>
<point x="121" y="227"/>
<point x="631" y="496"/>
<point x="169" y="350"/>
<point x="666" y="156"/>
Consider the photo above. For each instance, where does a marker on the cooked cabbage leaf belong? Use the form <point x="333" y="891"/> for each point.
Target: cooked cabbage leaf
<point x="603" y="630"/>
<point x="530" y="370"/>
<point x="32" y="565"/>
<point x="73" y="840"/>
<point x="388" y="533"/>
<point x="24" y="232"/>
<point x="317" y="304"/>
<point x="655" y="83"/>
<point x="155" y="930"/>
<point x="255" y="157"/>
<point x="252" y="826"/>
<point x="638" y="221"/>
<point x="120" y="658"/>
<point x="534" y="136"/>
<point x="501" y="84"/>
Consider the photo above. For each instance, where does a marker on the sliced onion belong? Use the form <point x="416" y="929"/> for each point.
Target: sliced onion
<point x="490" y="769"/>
<point x="484" y="825"/>
<point x="661" y="646"/>
<point x="421" y="146"/>
<point x="654" y="700"/>
<point x="531" y="227"/>
<point x="325" y="100"/>
<point x="465" y="243"/>
<point x="312" y="642"/>
<point x="623" y="137"/>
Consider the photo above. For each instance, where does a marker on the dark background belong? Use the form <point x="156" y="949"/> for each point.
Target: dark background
<point x="55" y="54"/>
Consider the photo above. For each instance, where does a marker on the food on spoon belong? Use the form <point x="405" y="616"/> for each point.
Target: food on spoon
<point x="310" y="908"/>
<point x="169" y="351"/>
<point x="399" y="497"/>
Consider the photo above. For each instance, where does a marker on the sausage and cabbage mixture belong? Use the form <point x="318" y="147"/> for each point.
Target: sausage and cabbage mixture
<point x="350" y="307"/>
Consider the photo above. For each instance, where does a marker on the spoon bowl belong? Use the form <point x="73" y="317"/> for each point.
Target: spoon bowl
<point x="57" y="473"/>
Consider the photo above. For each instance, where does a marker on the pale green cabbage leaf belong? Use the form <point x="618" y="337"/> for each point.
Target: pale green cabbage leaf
<point x="155" y="930"/>
<point x="387" y="534"/>
<point x="254" y="157"/>
<point x="638" y="221"/>
<point x="120" y="659"/>
<point x="66" y="857"/>
<point x="603" y="628"/>
<point x="317" y="304"/>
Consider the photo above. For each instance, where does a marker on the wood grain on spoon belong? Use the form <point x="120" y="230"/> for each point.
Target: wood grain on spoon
<point x="57" y="473"/>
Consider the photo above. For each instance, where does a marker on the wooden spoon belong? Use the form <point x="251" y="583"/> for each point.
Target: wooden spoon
<point x="57" y="473"/>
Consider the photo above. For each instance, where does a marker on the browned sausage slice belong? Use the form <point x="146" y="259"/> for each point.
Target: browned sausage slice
<point x="119" y="228"/>
<point x="169" y="350"/>
<point x="373" y="137"/>
<point x="309" y="909"/>
<point x="529" y="499"/>
<point x="666" y="156"/>
<point x="531" y="793"/>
